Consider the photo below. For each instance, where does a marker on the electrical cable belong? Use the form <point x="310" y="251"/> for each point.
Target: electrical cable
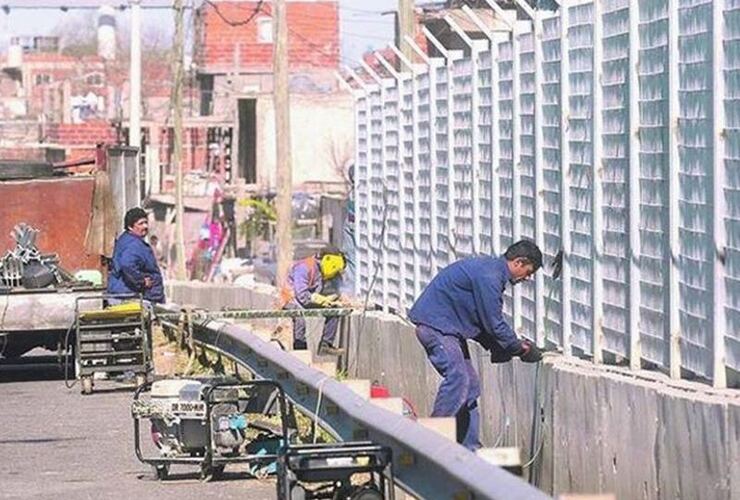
<point x="376" y="272"/>
<point x="318" y="407"/>
<point x="66" y="359"/>
<point x="2" y="325"/>
<point x="364" y="11"/>
<point x="532" y="460"/>
<point x="7" y="7"/>
<point x="535" y="430"/>
<point x="235" y="24"/>
<point x="501" y="432"/>
<point x="539" y="425"/>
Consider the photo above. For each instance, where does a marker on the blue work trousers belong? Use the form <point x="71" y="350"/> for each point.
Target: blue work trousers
<point x="460" y="388"/>
<point x="331" y="324"/>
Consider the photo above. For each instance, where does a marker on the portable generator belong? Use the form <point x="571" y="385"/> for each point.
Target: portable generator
<point x="210" y="422"/>
<point x="338" y="471"/>
<point x="114" y="340"/>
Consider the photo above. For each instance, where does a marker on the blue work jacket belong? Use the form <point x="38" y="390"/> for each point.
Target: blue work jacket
<point x="465" y="299"/>
<point x="133" y="259"/>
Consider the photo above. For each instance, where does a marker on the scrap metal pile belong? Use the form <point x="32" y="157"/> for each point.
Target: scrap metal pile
<point x="25" y="266"/>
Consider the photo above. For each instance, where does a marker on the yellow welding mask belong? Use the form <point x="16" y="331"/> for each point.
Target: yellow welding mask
<point x="331" y="264"/>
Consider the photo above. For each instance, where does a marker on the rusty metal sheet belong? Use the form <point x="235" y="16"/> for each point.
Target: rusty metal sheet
<point x="59" y="207"/>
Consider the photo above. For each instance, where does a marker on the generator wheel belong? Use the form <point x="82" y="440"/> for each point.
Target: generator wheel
<point x="140" y="379"/>
<point x="162" y="471"/>
<point x="87" y="384"/>
<point x="218" y="471"/>
<point x="298" y="492"/>
<point x="206" y="473"/>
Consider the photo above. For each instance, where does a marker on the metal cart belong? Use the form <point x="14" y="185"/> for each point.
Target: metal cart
<point x="211" y="422"/>
<point x="113" y="340"/>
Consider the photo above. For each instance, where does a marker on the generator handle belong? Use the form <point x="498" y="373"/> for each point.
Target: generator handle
<point x="104" y="296"/>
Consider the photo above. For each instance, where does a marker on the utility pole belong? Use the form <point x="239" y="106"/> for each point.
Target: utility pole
<point x="282" y="141"/>
<point x="134" y="121"/>
<point x="178" y="49"/>
<point x="406" y="26"/>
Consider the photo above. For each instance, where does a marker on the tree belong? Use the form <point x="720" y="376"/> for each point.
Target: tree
<point x="78" y="34"/>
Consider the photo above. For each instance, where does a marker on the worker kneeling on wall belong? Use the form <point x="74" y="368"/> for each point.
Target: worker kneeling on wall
<point x="465" y="301"/>
<point x="311" y="284"/>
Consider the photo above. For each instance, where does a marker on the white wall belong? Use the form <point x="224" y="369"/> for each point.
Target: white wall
<point x="322" y="129"/>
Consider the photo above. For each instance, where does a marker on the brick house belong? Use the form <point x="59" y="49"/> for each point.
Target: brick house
<point x="234" y="75"/>
<point x="75" y="102"/>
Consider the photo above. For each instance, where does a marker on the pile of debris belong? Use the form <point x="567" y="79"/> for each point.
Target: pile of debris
<point x="27" y="267"/>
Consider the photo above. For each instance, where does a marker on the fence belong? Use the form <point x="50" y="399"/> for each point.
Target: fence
<point x="608" y="129"/>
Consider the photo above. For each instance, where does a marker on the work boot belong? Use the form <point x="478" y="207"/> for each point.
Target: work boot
<point x="300" y="345"/>
<point x="326" y="349"/>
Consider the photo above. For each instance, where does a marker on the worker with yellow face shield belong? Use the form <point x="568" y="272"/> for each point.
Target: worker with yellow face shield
<point x="312" y="283"/>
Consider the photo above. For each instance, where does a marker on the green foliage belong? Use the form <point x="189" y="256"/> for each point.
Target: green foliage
<point x="260" y="214"/>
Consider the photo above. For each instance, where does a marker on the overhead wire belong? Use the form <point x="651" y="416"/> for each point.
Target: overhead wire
<point x="234" y="24"/>
<point x="262" y="8"/>
<point x="364" y="11"/>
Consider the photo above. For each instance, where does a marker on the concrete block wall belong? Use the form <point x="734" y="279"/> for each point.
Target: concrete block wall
<point x="82" y="134"/>
<point x="604" y="429"/>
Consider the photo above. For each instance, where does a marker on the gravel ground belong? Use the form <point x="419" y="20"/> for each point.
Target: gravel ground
<point x="57" y="444"/>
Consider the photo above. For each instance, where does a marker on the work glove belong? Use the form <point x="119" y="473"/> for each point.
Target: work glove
<point x="529" y="353"/>
<point x="499" y="356"/>
<point x="498" y="353"/>
<point x="324" y="300"/>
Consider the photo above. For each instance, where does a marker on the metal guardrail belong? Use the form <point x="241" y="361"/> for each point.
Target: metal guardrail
<point x="426" y="464"/>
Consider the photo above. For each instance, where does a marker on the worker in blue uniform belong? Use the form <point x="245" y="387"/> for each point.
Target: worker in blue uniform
<point x="465" y="301"/>
<point x="134" y="270"/>
<point x="313" y="283"/>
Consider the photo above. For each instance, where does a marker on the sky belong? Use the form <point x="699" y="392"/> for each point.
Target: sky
<point x="362" y="24"/>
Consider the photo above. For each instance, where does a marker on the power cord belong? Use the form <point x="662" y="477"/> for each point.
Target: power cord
<point x="318" y="408"/>
<point x="538" y="417"/>
<point x="2" y="325"/>
<point x="66" y="359"/>
<point x="376" y="272"/>
<point x="539" y="424"/>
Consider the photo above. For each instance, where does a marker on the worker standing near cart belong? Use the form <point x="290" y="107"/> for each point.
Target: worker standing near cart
<point x="465" y="301"/>
<point x="134" y="270"/>
<point x="313" y="282"/>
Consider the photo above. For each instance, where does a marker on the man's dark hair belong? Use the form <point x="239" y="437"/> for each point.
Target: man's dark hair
<point x="527" y="250"/>
<point x="133" y="216"/>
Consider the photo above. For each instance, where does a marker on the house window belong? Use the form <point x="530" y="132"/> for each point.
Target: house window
<point x="206" y="95"/>
<point x="264" y="30"/>
<point x="43" y="78"/>
<point x="95" y="79"/>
